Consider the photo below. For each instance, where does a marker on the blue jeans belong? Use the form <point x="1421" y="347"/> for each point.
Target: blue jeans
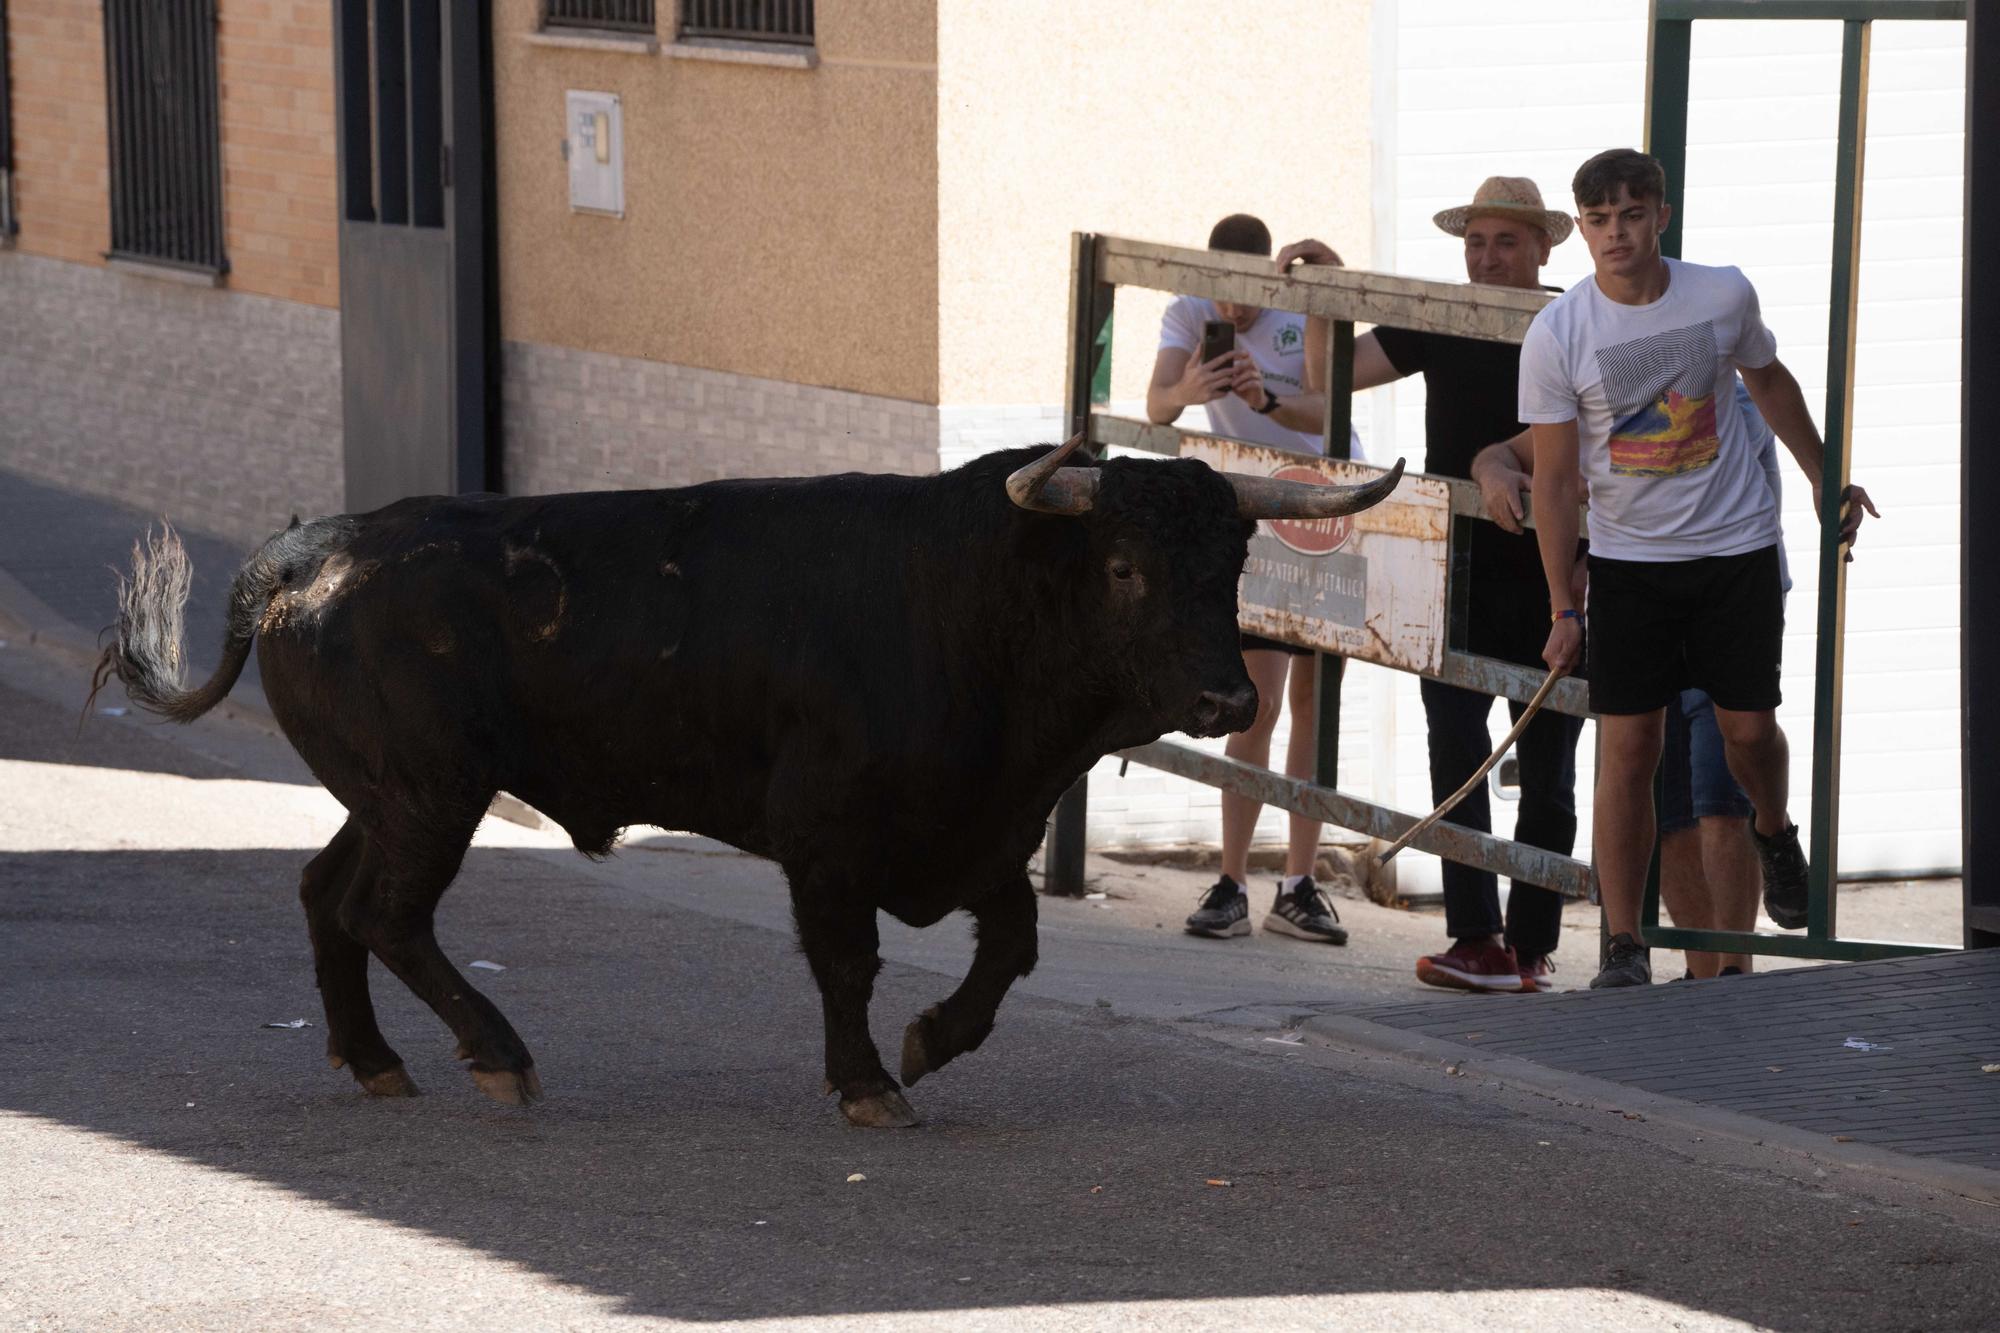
<point x="1695" y="781"/>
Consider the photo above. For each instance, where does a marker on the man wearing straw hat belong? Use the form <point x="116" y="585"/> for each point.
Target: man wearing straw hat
<point x="1472" y="387"/>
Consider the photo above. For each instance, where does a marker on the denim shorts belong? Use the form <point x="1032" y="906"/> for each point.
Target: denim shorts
<point x="1695" y="782"/>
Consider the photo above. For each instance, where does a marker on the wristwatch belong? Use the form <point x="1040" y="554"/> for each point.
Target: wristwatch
<point x="1270" y="404"/>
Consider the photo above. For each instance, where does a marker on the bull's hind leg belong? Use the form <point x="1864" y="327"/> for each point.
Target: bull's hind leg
<point x="838" y="935"/>
<point x="340" y="962"/>
<point x="390" y="908"/>
<point x="1004" y="923"/>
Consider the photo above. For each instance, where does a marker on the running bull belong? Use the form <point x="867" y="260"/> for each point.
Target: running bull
<point x="882" y="683"/>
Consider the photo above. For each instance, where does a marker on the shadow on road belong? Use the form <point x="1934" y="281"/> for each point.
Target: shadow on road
<point x="1067" y="1161"/>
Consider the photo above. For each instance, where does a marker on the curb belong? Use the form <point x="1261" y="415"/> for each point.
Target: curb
<point x="28" y="620"/>
<point x="1360" y="1036"/>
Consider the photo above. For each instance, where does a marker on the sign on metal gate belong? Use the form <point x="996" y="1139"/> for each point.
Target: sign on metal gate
<point x="1369" y="586"/>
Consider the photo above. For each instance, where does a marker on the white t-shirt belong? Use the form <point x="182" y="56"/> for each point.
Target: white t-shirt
<point x="1767" y="458"/>
<point x="1671" y="464"/>
<point x="1277" y="347"/>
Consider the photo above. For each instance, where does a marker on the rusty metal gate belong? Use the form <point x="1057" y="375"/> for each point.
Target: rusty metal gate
<point x="1411" y="618"/>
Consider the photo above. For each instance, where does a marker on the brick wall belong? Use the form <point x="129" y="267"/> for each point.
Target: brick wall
<point x="217" y="409"/>
<point x="578" y="420"/>
<point x="280" y="200"/>
<point x="56" y="72"/>
<point x="275" y="84"/>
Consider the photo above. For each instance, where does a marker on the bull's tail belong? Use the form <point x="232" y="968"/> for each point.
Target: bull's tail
<point x="148" y="654"/>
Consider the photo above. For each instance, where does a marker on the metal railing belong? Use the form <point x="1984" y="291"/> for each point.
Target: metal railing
<point x="789" y="21"/>
<point x="617" y="15"/>
<point x="166" y="151"/>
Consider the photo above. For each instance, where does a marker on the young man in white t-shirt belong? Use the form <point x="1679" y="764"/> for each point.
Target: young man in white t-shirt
<point x="1625" y="385"/>
<point x="1256" y="393"/>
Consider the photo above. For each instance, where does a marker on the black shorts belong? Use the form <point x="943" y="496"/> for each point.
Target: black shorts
<point x="1657" y="628"/>
<point x="1258" y="641"/>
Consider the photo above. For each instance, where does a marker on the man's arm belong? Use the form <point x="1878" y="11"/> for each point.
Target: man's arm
<point x="1179" y="381"/>
<point x="1503" y="472"/>
<point x="1372" y="367"/>
<point x="1783" y="404"/>
<point x="1558" y="487"/>
<point x="1371" y="364"/>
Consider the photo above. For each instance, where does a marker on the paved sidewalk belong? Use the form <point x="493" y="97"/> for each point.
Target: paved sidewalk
<point x="1890" y="1054"/>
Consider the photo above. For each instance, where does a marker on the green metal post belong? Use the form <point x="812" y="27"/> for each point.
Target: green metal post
<point x="1670" y="47"/>
<point x="1090" y="304"/>
<point x="1824" y="852"/>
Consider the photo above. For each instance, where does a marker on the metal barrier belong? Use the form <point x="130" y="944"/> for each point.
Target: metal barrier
<point x="1101" y="264"/>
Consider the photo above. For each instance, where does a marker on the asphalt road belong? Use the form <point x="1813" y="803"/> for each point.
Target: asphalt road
<point x="168" y="1161"/>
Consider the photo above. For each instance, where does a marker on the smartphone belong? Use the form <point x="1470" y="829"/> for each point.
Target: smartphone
<point x="1218" y="338"/>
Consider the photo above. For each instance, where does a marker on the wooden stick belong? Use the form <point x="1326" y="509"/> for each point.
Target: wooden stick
<point x="1479" y="776"/>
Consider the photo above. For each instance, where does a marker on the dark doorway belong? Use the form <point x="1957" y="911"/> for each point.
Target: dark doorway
<point x="410" y="81"/>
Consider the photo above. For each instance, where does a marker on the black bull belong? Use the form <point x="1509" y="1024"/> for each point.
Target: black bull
<point x="882" y="683"/>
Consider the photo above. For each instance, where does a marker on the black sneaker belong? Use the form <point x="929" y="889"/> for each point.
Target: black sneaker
<point x="1784" y="876"/>
<point x="1224" y="911"/>
<point x="1306" y="913"/>
<point x="1630" y="964"/>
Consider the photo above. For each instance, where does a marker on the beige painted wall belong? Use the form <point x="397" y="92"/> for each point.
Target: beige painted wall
<point x="1140" y="120"/>
<point x="779" y="222"/>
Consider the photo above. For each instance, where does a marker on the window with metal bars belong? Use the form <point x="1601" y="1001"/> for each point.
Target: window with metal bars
<point x="618" y="15"/>
<point x="166" y="149"/>
<point x="787" y="21"/>
<point x="6" y="138"/>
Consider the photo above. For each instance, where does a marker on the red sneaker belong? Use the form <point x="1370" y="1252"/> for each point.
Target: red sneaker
<point x="1538" y="972"/>
<point x="1464" y="966"/>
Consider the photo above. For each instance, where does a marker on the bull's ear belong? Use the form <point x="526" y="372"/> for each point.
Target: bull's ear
<point x="1047" y="487"/>
<point x="1268" y="497"/>
<point x="293" y="524"/>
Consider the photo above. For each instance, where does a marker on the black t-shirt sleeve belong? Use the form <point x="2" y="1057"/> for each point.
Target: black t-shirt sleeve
<point x="1405" y="348"/>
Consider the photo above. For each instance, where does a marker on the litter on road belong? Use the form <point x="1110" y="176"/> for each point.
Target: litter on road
<point x="1857" y="1044"/>
<point x="485" y="966"/>
<point x="291" y="1023"/>
<point x="856" y="1176"/>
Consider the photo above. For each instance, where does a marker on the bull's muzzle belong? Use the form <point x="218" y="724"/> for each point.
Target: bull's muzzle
<point x="1223" y="712"/>
<point x="1048" y="487"/>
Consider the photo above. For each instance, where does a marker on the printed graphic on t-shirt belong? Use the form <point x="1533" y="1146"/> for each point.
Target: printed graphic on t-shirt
<point x="1661" y="390"/>
<point x="1289" y="339"/>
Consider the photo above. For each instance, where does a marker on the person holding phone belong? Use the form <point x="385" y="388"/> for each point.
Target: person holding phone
<point x="1245" y="367"/>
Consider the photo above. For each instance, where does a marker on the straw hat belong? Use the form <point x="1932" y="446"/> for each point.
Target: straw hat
<point x="1507" y="197"/>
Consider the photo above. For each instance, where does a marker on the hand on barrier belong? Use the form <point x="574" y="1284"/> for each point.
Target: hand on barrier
<point x="1308" y="252"/>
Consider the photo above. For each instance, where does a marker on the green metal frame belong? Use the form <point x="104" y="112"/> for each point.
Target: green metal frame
<point x="1669" y="57"/>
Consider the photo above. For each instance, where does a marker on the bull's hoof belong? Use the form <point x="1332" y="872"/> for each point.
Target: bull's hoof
<point x="917" y="1057"/>
<point x="510" y="1087"/>
<point x="878" y="1110"/>
<point x="391" y="1082"/>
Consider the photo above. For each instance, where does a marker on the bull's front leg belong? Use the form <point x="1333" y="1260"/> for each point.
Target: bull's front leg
<point x="1004" y="923"/>
<point x="837" y="932"/>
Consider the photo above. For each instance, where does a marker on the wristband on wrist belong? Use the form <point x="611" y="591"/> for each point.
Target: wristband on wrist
<point x="1567" y="613"/>
<point x="1270" y="404"/>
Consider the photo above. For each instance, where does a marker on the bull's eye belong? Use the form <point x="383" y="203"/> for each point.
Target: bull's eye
<point x="1122" y="570"/>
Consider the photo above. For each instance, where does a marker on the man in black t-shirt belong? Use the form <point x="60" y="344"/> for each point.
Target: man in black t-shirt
<point x="1471" y="400"/>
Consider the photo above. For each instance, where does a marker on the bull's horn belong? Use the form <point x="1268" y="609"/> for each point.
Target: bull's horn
<point x="1048" y="487"/>
<point x="1268" y="497"/>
